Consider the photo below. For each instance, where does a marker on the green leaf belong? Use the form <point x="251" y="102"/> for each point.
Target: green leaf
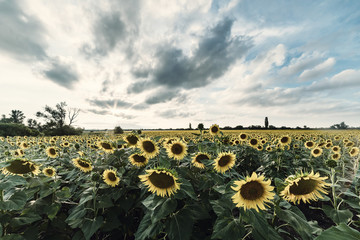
<point x="227" y="228"/>
<point x="261" y="228"/>
<point x="13" y="237"/>
<point x="163" y="210"/>
<point x="52" y="210"/>
<point x="297" y="221"/>
<point x="1" y="230"/>
<point x="25" y="219"/>
<point x="153" y="201"/>
<point x="181" y="224"/>
<point x="76" y="216"/>
<point x="186" y="189"/>
<point x="16" y="202"/>
<point x="338" y="216"/>
<point x="64" y="193"/>
<point x="12" y="181"/>
<point x="85" y="199"/>
<point x="222" y="206"/>
<point x="147" y="229"/>
<point x="90" y="226"/>
<point x="342" y="231"/>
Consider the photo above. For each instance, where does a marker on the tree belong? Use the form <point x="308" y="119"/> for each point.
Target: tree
<point x="118" y="130"/>
<point x="342" y="125"/>
<point x="200" y="126"/>
<point x="4" y="119"/>
<point x="17" y="116"/>
<point x="190" y="126"/>
<point x="32" y="123"/>
<point x="266" y="122"/>
<point x="73" y="114"/>
<point x="55" y="118"/>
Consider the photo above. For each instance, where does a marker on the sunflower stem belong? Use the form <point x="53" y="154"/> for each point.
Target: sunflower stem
<point x="333" y="188"/>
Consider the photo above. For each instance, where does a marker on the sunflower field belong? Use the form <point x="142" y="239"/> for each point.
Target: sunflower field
<point x="214" y="184"/>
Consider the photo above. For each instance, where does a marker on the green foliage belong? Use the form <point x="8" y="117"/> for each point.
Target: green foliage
<point x="15" y="129"/>
<point x="118" y="130"/>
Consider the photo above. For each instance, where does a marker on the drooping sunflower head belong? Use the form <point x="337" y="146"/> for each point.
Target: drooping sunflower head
<point x="138" y="160"/>
<point x="110" y="177"/>
<point x="52" y="152"/>
<point x="199" y="158"/>
<point x="148" y="147"/>
<point x="316" y="152"/>
<point x="177" y="150"/>
<point x="224" y="161"/>
<point x="106" y="146"/>
<point x="161" y="181"/>
<point x="132" y="140"/>
<point x="354" y="151"/>
<point x="83" y="164"/>
<point x="214" y="129"/>
<point x="305" y="187"/>
<point x="49" y="171"/>
<point x="20" y="166"/>
<point x="285" y="140"/>
<point x="253" y="192"/>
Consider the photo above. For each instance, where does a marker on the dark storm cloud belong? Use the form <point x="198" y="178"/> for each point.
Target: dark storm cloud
<point x="215" y="54"/>
<point x="162" y="96"/>
<point x="61" y="74"/>
<point x="21" y="35"/>
<point x="110" y="103"/>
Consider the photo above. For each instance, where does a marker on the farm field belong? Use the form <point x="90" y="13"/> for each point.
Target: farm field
<point x="212" y="184"/>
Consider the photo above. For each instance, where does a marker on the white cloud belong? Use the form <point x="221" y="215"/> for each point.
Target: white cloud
<point x="317" y="71"/>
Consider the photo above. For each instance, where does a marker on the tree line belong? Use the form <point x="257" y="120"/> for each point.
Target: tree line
<point x="50" y="122"/>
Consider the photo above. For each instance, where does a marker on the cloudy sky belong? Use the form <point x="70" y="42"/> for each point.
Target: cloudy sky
<point x="163" y="64"/>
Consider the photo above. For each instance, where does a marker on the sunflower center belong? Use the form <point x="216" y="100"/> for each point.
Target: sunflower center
<point x="111" y="176"/>
<point x="253" y="141"/>
<point x="316" y="151"/>
<point x="132" y="139"/>
<point x="83" y="164"/>
<point x="303" y="187"/>
<point x="20" y="167"/>
<point x="176" y="149"/>
<point x="161" y="180"/>
<point x="284" y="139"/>
<point x="352" y="151"/>
<point x="52" y="151"/>
<point x="252" y="190"/>
<point x="148" y="146"/>
<point x="214" y="129"/>
<point x="139" y="158"/>
<point x="309" y="144"/>
<point x="106" y="145"/>
<point x="224" y="160"/>
<point x="201" y="157"/>
<point x="243" y="136"/>
<point x="49" y="171"/>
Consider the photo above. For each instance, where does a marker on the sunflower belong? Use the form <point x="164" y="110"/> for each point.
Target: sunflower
<point x="20" y="166"/>
<point x="305" y="187"/>
<point x="110" y="177"/>
<point x="243" y="136"/>
<point x="285" y="140"/>
<point x="354" y="151"/>
<point x="336" y="149"/>
<point x="316" y="152"/>
<point x="83" y="164"/>
<point x="19" y="152"/>
<point x="132" y="140"/>
<point x="106" y="146"/>
<point x="24" y="145"/>
<point x="224" y="161"/>
<point x="198" y="158"/>
<point x="138" y="160"/>
<point x="309" y="144"/>
<point x="253" y="142"/>
<point x="160" y="181"/>
<point x="177" y="150"/>
<point x="148" y="147"/>
<point x="252" y="192"/>
<point x="336" y="156"/>
<point x="214" y="129"/>
<point x="52" y="152"/>
<point x="49" y="171"/>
